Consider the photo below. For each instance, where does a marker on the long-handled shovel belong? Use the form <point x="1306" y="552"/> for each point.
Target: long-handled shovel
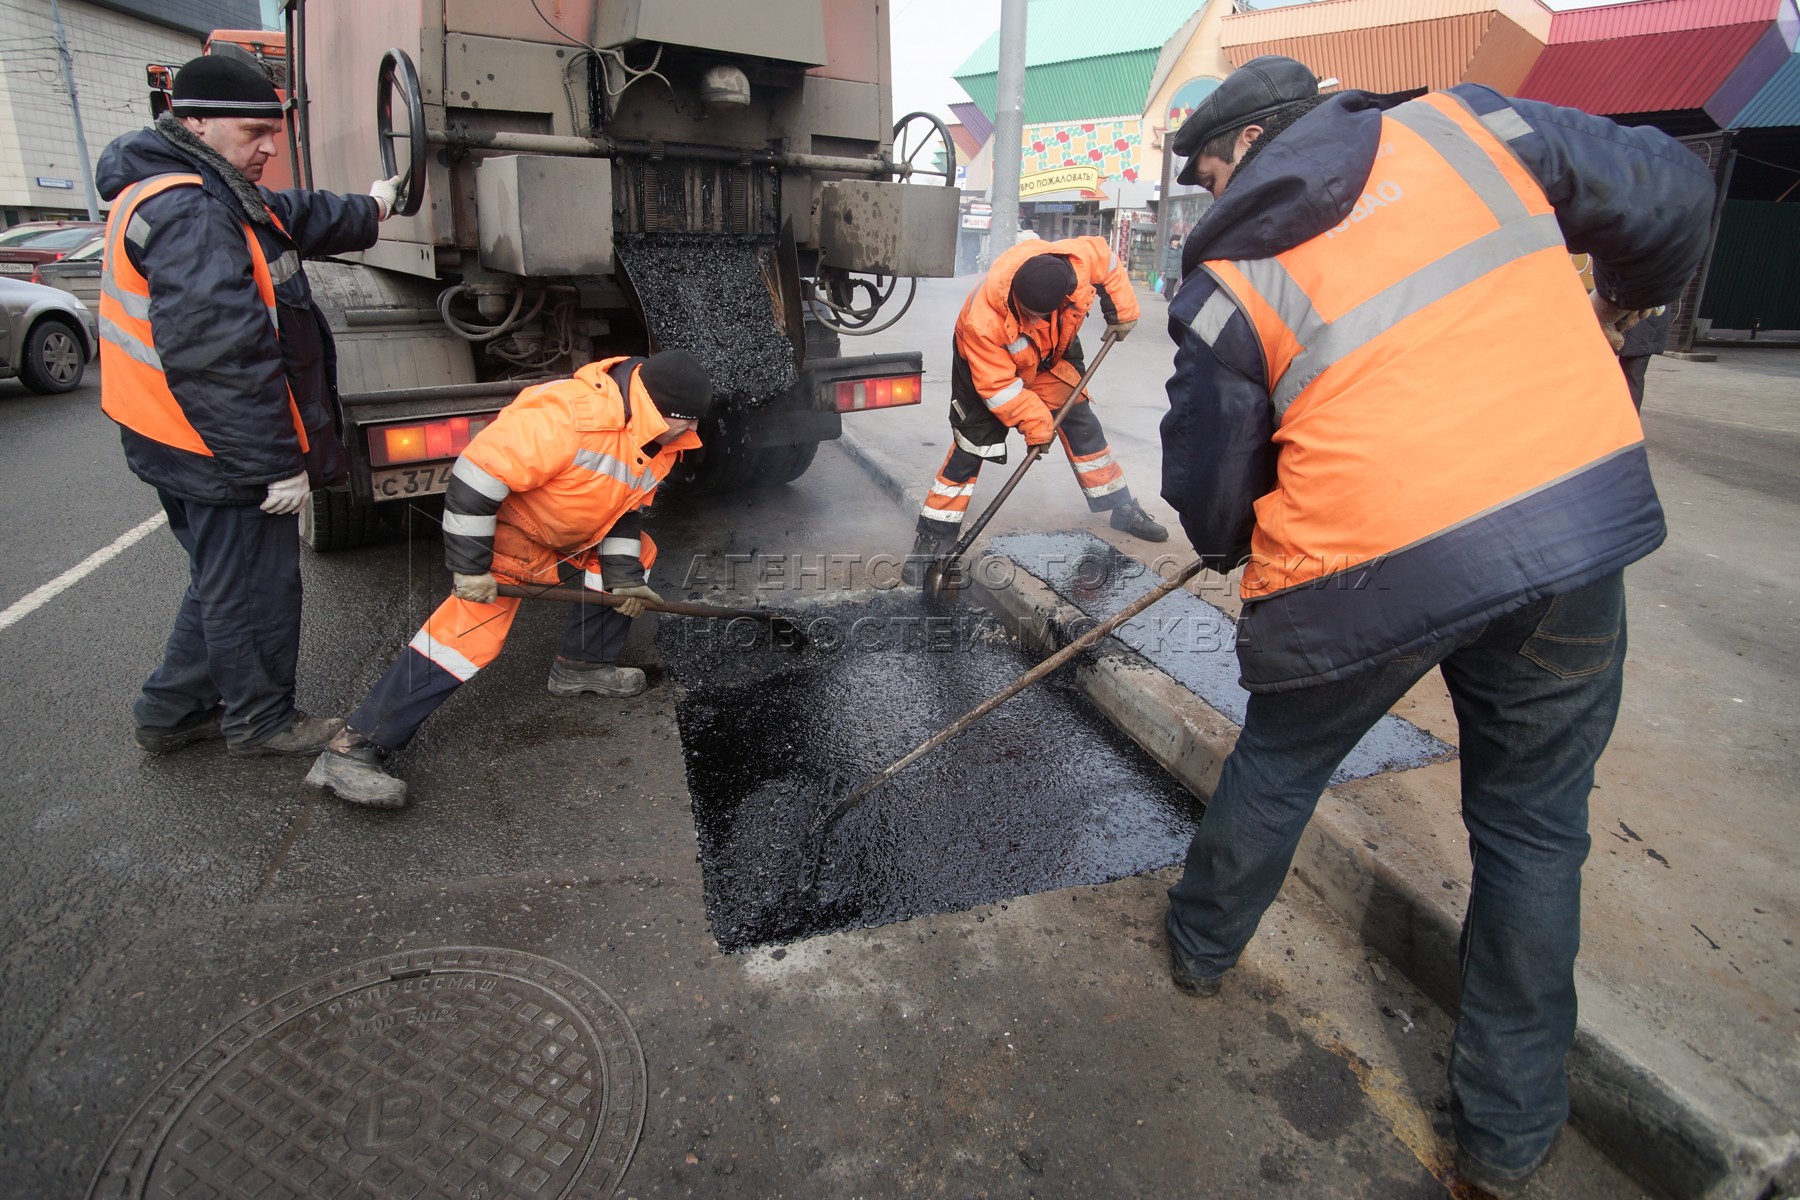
<point x="946" y="562"/>
<point x="831" y="816"/>
<point x="778" y="622"/>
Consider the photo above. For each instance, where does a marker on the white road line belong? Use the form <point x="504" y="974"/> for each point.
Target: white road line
<point x="35" y="600"/>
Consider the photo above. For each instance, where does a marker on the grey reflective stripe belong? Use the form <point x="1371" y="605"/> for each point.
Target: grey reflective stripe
<point x="995" y="450"/>
<point x="1465" y="156"/>
<point x="1418" y="291"/>
<point x="137" y="231"/>
<point x="1285" y="296"/>
<point x="137" y="307"/>
<point x="1506" y="124"/>
<point x="1209" y="322"/>
<point x="468" y="526"/>
<point x="285" y="267"/>
<point x="110" y="332"/>
<point x="1004" y="395"/>
<point x="1017" y="344"/>
<point x="480" y="480"/>
<point x="606" y="464"/>
<point x="629" y="547"/>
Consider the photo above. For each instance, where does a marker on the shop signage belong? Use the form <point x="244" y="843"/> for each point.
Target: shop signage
<point x="1061" y="179"/>
<point x="66" y="185"/>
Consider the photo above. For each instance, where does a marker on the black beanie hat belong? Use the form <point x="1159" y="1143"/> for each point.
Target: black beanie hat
<point x="678" y="383"/>
<point x="1043" y="282"/>
<point x="215" y="86"/>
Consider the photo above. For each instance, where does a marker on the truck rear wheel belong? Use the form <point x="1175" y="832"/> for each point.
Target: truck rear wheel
<point x="728" y="462"/>
<point x="776" y="465"/>
<point x="335" y="520"/>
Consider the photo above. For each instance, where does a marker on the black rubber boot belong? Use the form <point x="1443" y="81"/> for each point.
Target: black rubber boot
<point x="350" y="768"/>
<point x="925" y="549"/>
<point x="1131" y="517"/>
<point x="201" y="727"/>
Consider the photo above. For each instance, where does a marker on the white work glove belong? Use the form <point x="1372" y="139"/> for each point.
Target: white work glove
<point x="287" y="495"/>
<point x="387" y="194"/>
<point x="633" y="604"/>
<point x="476" y="589"/>
<point x="1120" y="329"/>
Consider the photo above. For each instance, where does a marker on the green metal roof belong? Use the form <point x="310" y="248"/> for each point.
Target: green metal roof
<point x="1061" y="30"/>
<point x="1079" y="90"/>
<point x="1081" y="61"/>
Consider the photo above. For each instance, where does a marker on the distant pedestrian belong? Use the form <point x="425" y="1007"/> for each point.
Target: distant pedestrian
<point x="1392" y="397"/>
<point x="220" y="372"/>
<point x="1171" y="268"/>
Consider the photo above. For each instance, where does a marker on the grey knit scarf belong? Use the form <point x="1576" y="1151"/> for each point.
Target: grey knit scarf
<point x="172" y="131"/>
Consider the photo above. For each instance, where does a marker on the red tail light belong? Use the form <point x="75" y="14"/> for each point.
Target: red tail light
<point x="855" y="395"/>
<point x="37" y="276"/>
<point x="421" y="442"/>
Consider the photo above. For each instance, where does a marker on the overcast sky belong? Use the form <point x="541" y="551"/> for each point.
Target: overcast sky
<point x="931" y="38"/>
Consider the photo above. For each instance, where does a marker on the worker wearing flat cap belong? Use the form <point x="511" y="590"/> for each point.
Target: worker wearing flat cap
<point x="1017" y="359"/>
<point x="219" y="370"/>
<point x="550" y="493"/>
<point x="1394" y="407"/>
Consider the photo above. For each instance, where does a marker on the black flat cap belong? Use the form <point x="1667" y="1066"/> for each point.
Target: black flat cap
<point x="1254" y="92"/>
<point x="215" y="86"/>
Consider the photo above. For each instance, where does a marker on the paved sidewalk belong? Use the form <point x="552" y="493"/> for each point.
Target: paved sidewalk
<point x="1690" y="978"/>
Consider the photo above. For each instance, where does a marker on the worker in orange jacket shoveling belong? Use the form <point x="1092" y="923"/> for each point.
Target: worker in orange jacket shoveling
<point x="547" y="494"/>
<point x="1017" y="359"/>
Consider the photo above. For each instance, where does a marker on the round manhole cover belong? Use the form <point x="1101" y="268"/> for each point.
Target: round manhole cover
<point x="461" y="1072"/>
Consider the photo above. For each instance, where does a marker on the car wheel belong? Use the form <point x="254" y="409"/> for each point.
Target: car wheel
<point x="55" y="358"/>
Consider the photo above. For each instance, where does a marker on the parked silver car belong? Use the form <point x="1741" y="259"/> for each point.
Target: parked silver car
<point x="47" y="336"/>
<point x="78" y="274"/>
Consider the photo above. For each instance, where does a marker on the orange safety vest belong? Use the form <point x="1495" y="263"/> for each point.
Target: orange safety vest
<point x="563" y="501"/>
<point x="1392" y="343"/>
<point x="134" y="391"/>
<point x="1004" y="356"/>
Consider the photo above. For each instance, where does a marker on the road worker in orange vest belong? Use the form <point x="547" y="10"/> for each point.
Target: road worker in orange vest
<point x="219" y="371"/>
<point x="1017" y="358"/>
<point x="1394" y="405"/>
<point x="549" y="493"/>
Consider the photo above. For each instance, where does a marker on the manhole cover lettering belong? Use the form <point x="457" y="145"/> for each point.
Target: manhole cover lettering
<point x="466" y="1073"/>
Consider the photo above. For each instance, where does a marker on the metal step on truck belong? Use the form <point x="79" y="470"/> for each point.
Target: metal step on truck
<point x="587" y="178"/>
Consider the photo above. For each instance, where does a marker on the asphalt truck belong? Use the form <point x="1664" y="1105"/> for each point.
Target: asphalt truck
<point x="587" y="178"/>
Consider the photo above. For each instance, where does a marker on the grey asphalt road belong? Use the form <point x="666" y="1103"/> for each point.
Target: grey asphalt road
<point x="1032" y="1048"/>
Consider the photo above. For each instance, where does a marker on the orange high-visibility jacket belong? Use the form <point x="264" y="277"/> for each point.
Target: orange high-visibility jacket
<point x="1015" y="369"/>
<point x="558" y="469"/>
<point x="133" y="388"/>
<point x="1408" y="420"/>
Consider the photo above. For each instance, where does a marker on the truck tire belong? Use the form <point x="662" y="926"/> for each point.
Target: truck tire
<point x="729" y="462"/>
<point x="55" y="357"/>
<point x="336" y="520"/>
<point x="776" y="465"/>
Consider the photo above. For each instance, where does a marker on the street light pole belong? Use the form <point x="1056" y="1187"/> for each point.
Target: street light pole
<point x="68" y="67"/>
<point x="1009" y="127"/>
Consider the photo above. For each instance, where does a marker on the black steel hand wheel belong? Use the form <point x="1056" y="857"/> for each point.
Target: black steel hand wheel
<point x="921" y="134"/>
<point x="397" y="71"/>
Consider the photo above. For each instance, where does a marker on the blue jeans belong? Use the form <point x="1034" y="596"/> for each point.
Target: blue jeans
<point x="236" y="639"/>
<point x="1536" y="693"/>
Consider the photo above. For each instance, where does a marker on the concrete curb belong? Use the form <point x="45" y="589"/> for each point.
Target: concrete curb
<point x="1661" y="1108"/>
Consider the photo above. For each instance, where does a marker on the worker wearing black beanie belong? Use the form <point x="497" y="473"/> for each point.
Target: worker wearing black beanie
<point x="678" y="385"/>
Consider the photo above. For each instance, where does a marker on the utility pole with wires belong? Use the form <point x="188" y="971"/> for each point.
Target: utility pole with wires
<point x="68" y="68"/>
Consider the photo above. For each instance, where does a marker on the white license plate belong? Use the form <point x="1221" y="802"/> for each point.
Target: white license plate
<point x="12" y="268"/>
<point x="396" y="483"/>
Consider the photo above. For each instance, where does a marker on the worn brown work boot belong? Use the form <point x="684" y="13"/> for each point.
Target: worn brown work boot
<point x="201" y="727"/>
<point x="1131" y="517"/>
<point x="307" y="735"/>
<point x="602" y="679"/>
<point x="350" y="768"/>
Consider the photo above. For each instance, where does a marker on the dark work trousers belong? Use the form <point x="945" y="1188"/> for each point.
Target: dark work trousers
<point x="1102" y="480"/>
<point x="1634" y="367"/>
<point x="458" y="640"/>
<point x="1535" y="692"/>
<point x="237" y="634"/>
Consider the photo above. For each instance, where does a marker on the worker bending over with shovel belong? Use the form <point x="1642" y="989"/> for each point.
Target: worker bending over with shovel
<point x="547" y="494"/>
<point x="1392" y="396"/>
<point x="1017" y="357"/>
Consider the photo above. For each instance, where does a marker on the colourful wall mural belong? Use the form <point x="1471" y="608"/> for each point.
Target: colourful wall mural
<point x="1111" y="146"/>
